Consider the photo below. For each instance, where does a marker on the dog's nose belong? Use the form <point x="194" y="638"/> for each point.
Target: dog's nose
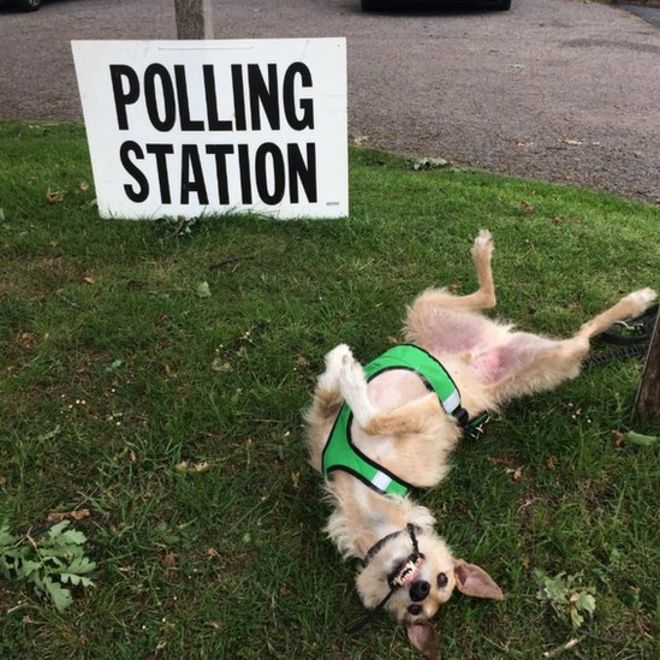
<point x="419" y="590"/>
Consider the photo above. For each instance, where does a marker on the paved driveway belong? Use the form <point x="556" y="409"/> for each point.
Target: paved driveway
<point x="555" y="89"/>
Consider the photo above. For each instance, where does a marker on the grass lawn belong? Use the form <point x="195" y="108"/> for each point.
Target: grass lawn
<point x="114" y="372"/>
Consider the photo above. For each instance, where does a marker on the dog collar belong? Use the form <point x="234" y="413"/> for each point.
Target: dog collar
<point x="392" y="582"/>
<point x="379" y="545"/>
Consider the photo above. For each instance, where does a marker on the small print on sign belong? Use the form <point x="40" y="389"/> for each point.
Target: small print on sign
<point x="189" y="128"/>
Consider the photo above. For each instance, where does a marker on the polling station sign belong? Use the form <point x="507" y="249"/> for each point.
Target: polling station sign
<point x="189" y="128"/>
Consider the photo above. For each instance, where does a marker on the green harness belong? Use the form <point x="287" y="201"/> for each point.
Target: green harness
<point x="341" y="454"/>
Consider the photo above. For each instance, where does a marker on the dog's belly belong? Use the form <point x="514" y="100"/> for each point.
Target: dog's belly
<point x="394" y="388"/>
<point x="450" y="332"/>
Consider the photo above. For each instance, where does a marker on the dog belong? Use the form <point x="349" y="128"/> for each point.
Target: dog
<point x="396" y="430"/>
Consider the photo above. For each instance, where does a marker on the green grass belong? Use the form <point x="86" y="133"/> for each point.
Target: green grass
<point x="106" y="312"/>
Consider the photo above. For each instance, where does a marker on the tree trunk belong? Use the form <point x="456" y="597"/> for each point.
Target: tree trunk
<point x="647" y="403"/>
<point x="193" y="19"/>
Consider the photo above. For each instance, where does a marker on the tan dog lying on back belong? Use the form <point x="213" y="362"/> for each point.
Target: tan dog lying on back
<point x="401" y="434"/>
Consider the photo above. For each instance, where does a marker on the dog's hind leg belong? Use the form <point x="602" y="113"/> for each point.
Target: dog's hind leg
<point x="446" y="323"/>
<point x="631" y="305"/>
<point x="528" y="363"/>
<point x="482" y="298"/>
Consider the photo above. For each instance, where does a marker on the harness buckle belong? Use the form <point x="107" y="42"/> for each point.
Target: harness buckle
<point x="475" y="427"/>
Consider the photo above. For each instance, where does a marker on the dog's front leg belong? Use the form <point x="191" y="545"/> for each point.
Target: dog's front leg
<point x="354" y="390"/>
<point x="411" y="417"/>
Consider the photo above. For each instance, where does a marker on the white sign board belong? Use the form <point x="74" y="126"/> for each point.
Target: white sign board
<point x="189" y="128"/>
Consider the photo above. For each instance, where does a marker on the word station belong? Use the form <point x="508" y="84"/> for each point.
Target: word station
<point x="254" y="99"/>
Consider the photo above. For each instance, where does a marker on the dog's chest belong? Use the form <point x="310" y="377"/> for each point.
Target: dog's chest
<point x="392" y="389"/>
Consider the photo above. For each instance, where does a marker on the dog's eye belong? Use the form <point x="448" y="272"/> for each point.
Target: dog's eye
<point x="442" y="580"/>
<point x="414" y="609"/>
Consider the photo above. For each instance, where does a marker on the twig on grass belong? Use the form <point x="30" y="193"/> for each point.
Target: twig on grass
<point x="62" y="297"/>
<point x="231" y="260"/>
<point x="560" y="649"/>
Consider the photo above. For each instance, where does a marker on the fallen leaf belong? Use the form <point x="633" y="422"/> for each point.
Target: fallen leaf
<point x="218" y="625"/>
<point x="285" y="589"/>
<point x="169" y="560"/>
<point x="212" y="553"/>
<point x="78" y="514"/>
<point x="88" y="279"/>
<point x="302" y="361"/>
<point x="295" y="479"/>
<point x="640" y="439"/>
<point x="203" y="290"/>
<point x="551" y="463"/>
<point x="526" y="206"/>
<point x="26" y="340"/>
<point x="54" y="196"/>
<point x="221" y="366"/>
<point x="516" y="474"/>
<point x="83" y="186"/>
<point x="428" y="163"/>
<point x="201" y="467"/>
<point x="182" y="466"/>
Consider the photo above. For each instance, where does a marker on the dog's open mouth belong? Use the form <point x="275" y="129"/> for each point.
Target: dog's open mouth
<point x="406" y="572"/>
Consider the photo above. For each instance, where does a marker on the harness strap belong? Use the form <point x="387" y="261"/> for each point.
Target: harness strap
<point x="340" y="453"/>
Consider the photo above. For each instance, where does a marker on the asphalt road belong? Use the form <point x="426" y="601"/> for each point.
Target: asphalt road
<point x="560" y="90"/>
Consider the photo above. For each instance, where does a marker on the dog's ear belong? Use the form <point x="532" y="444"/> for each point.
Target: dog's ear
<point x="474" y="581"/>
<point x="423" y="637"/>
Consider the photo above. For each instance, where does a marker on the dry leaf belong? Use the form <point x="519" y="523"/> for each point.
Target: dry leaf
<point x="218" y="625"/>
<point x="302" y="361"/>
<point x="187" y="466"/>
<point x="295" y="478"/>
<point x="526" y="206"/>
<point x="221" y="366"/>
<point x="169" y="560"/>
<point x="516" y="474"/>
<point x="83" y="186"/>
<point x="26" y="340"/>
<point x="78" y="514"/>
<point x="551" y="463"/>
<point x="88" y="279"/>
<point x="212" y="553"/>
<point x="54" y="196"/>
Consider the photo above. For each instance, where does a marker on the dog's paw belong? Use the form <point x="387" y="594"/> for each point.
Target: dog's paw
<point x="335" y="358"/>
<point x="641" y="299"/>
<point x="483" y="244"/>
<point x="329" y="379"/>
